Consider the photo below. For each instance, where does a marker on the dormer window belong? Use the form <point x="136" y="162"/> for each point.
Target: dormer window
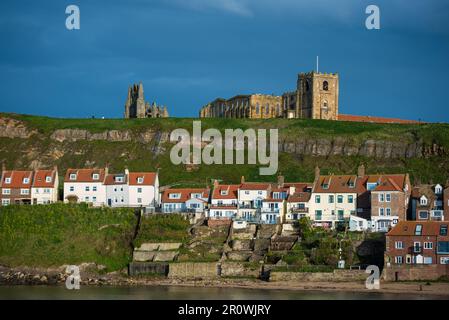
<point x="140" y="180"/>
<point x="26" y="180"/>
<point x="95" y="176"/>
<point x="72" y="176"/>
<point x="418" y="230"/>
<point x="423" y="201"/>
<point x="325" y="185"/>
<point x="351" y="184"/>
<point x="196" y="195"/>
<point x="8" y="180"/>
<point x="118" y="179"/>
<point x="224" y="192"/>
<point x="438" y="189"/>
<point x="174" y="196"/>
<point x="48" y="179"/>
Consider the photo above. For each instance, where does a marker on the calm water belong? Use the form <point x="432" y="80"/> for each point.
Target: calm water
<point x="187" y="293"/>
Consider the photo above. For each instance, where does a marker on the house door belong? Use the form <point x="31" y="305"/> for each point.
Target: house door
<point x="110" y="202"/>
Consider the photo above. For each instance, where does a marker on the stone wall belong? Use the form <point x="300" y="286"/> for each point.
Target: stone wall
<point x="136" y="268"/>
<point x="337" y="275"/>
<point x="415" y="272"/>
<point x="235" y="269"/>
<point x="193" y="270"/>
<point x="212" y="223"/>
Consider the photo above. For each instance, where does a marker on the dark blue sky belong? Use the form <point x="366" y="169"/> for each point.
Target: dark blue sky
<point x="188" y="52"/>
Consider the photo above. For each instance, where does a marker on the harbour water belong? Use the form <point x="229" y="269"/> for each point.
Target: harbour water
<point x="189" y="293"/>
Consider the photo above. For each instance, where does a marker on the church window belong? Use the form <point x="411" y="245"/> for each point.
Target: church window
<point x="326" y="86"/>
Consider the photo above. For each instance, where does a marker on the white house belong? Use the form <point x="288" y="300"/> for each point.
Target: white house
<point x="273" y="207"/>
<point x="359" y="224"/>
<point x="250" y="200"/>
<point x="44" y="189"/>
<point x="85" y="185"/>
<point x="298" y="202"/>
<point x="143" y="189"/>
<point x="224" y="201"/>
<point x="186" y="200"/>
<point x="117" y="190"/>
<point x="333" y="200"/>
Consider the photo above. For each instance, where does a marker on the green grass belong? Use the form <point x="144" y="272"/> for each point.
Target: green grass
<point x="58" y="234"/>
<point x="163" y="228"/>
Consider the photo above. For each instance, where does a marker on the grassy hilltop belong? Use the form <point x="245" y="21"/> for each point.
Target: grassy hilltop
<point x="40" y="149"/>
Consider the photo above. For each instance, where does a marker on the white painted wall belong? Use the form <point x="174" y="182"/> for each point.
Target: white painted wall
<point x="142" y="195"/>
<point x="79" y="190"/>
<point x="328" y="208"/>
<point x="117" y="195"/>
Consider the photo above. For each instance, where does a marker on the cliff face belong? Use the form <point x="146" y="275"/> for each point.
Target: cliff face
<point x="338" y="146"/>
<point x="30" y="142"/>
<point x="310" y="146"/>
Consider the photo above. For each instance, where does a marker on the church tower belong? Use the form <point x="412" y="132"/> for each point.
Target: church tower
<point x="318" y="95"/>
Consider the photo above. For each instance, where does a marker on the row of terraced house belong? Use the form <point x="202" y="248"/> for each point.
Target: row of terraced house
<point x="361" y="201"/>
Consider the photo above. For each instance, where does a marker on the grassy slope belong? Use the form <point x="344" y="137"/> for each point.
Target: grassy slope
<point x="139" y="157"/>
<point x="53" y="235"/>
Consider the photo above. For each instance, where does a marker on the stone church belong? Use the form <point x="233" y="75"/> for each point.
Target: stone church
<point x="315" y="97"/>
<point x="136" y="107"/>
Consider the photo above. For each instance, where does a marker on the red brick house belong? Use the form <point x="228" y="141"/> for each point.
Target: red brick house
<point x="15" y="187"/>
<point x="417" y="250"/>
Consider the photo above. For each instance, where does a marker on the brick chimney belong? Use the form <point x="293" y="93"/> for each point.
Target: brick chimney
<point x="361" y="172"/>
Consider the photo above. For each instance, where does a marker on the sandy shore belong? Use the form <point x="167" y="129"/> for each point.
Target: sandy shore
<point x="419" y="288"/>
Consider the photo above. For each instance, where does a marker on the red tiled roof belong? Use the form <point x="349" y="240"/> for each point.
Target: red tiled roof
<point x="85" y="175"/>
<point x="408" y="228"/>
<point x="299" y="197"/>
<point x="40" y="179"/>
<point x="149" y="178"/>
<point x="17" y="179"/>
<point x="185" y="194"/>
<point x="255" y="186"/>
<point x="340" y="183"/>
<point x="352" y="118"/>
<point x="110" y="179"/>
<point x="337" y="184"/>
<point x="232" y="191"/>
<point x="391" y="182"/>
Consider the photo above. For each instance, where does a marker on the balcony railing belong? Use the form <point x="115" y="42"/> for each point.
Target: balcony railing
<point x="299" y="210"/>
<point x="270" y="210"/>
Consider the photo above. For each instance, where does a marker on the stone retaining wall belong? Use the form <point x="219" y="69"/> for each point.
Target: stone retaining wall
<point x="193" y="270"/>
<point x="234" y="269"/>
<point x="415" y="272"/>
<point x="337" y="275"/>
<point x="136" y="268"/>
